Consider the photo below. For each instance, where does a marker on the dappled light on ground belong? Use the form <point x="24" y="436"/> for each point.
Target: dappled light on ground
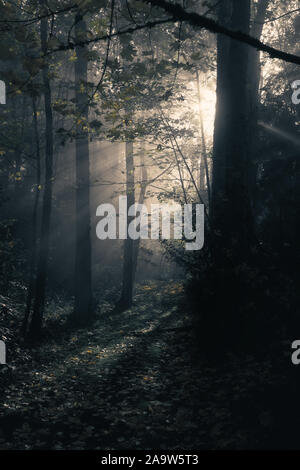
<point x="130" y="381"/>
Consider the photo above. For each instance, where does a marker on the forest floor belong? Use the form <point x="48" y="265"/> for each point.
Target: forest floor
<point x="135" y="381"/>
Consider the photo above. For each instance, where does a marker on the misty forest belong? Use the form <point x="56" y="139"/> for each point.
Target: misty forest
<point x="112" y="341"/>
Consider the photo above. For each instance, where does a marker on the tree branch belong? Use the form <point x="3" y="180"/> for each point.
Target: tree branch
<point x="179" y="14"/>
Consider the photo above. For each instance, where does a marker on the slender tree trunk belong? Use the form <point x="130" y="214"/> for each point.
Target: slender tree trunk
<point x="17" y="161"/>
<point x="83" y="276"/>
<point x="254" y="84"/>
<point x="204" y="170"/>
<point x="144" y="183"/>
<point x="32" y="265"/>
<point x="254" y="55"/>
<point x="40" y="287"/>
<point x="128" y="263"/>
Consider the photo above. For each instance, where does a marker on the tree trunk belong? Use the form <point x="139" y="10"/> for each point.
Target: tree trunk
<point x="40" y="287"/>
<point x="232" y="218"/>
<point x="144" y="184"/>
<point x="224" y="10"/>
<point x="254" y="81"/>
<point x="128" y="263"/>
<point x="254" y="55"/>
<point x="32" y="265"/>
<point x="83" y="276"/>
<point x="237" y="205"/>
<point x="204" y="170"/>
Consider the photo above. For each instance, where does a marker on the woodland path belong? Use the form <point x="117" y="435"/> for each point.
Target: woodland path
<point x="131" y="382"/>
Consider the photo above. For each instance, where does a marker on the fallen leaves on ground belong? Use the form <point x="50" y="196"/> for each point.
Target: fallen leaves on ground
<point x="131" y="382"/>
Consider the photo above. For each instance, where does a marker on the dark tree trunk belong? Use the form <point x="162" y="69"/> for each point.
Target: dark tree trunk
<point x="254" y="80"/>
<point x="40" y="287"/>
<point x="224" y="11"/>
<point x="83" y="276"/>
<point x="128" y="262"/>
<point x="32" y="264"/>
<point x="232" y="209"/>
<point x="237" y="211"/>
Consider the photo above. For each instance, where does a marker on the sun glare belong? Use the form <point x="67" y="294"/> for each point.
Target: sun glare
<point x="207" y="106"/>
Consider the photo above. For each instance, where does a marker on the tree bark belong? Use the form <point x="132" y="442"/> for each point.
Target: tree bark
<point x="40" y="287"/>
<point x="128" y="262"/>
<point x="204" y="170"/>
<point x="224" y="11"/>
<point x="144" y="184"/>
<point x="32" y="264"/>
<point x="83" y="277"/>
<point x="254" y="81"/>
<point x="232" y="218"/>
<point x="237" y="205"/>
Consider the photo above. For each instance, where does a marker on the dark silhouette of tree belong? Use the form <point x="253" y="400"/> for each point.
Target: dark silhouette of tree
<point x="231" y="211"/>
<point x="224" y="12"/>
<point x="34" y="241"/>
<point x="83" y="276"/>
<point x="40" y="287"/>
